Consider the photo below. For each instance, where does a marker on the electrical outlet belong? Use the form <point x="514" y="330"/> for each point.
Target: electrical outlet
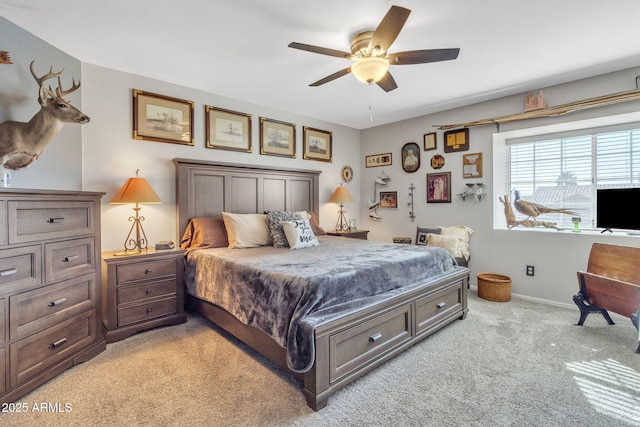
<point x="531" y="270"/>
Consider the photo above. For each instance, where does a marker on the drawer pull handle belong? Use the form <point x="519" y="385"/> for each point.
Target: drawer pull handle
<point x="70" y="258"/>
<point x="57" y="302"/>
<point x="148" y="310"/>
<point x="148" y="291"/>
<point x="147" y="271"/>
<point x="55" y="220"/>
<point x="375" y="337"/>
<point x="8" y="272"/>
<point x="441" y="304"/>
<point x="57" y="343"/>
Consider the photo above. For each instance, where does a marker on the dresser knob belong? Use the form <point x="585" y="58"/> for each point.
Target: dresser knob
<point x="441" y="304"/>
<point x="147" y="271"/>
<point x="148" y="310"/>
<point x="375" y="337"/>
<point x="148" y="291"/>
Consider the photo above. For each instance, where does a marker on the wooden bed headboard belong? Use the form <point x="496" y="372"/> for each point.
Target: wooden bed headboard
<point x="206" y="189"/>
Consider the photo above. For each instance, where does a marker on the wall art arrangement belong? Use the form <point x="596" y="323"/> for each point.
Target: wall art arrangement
<point x="317" y="144"/>
<point x="162" y="118"/>
<point x="410" y="157"/>
<point x="378" y="160"/>
<point x="439" y="187"/>
<point x="227" y="130"/>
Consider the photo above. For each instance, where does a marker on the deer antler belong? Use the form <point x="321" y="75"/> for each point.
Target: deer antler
<point x="61" y="92"/>
<point x="51" y="74"/>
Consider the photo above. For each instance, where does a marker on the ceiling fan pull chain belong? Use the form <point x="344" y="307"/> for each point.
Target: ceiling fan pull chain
<point x="370" y="108"/>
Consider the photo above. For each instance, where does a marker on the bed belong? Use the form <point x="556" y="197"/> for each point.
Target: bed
<point x="341" y="319"/>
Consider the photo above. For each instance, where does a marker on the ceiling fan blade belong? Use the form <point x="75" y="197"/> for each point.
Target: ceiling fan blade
<point x="389" y="28"/>
<point x="321" y="50"/>
<point x="387" y="83"/>
<point x="422" y="56"/>
<point x="332" y="77"/>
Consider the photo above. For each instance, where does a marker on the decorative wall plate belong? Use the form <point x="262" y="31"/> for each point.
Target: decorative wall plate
<point x="347" y="173"/>
<point x="437" y="161"/>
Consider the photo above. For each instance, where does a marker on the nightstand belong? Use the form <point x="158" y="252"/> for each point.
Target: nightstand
<point x="141" y="291"/>
<point x="353" y="234"/>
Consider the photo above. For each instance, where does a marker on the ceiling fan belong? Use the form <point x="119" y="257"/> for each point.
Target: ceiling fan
<point x="369" y="51"/>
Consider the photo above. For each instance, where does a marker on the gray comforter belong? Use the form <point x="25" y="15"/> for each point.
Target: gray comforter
<point x="287" y="293"/>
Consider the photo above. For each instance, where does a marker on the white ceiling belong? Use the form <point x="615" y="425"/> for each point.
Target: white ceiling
<point x="238" y="48"/>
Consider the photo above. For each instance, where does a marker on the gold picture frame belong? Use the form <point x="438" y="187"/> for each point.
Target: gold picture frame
<point x="317" y="144"/>
<point x="430" y="141"/>
<point x="162" y="118"/>
<point x="277" y="138"/>
<point x="227" y="129"/>
<point x="375" y="160"/>
<point x="456" y="140"/>
<point x="472" y="165"/>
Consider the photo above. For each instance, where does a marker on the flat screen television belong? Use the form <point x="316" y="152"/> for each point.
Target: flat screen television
<point x="616" y="209"/>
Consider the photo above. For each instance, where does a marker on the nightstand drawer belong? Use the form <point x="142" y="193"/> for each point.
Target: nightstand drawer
<point x="128" y="294"/>
<point x="145" y="270"/>
<point x="38" y="309"/>
<point x="40" y="351"/>
<point x="68" y="258"/>
<point x="20" y="267"/>
<point x="32" y="221"/>
<point x="147" y="311"/>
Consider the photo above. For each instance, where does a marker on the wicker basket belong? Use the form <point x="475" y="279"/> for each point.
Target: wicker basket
<point x="494" y="287"/>
<point x="406" y="240"/>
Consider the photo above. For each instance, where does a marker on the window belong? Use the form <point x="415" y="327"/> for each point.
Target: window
<point x="564" y="171"/>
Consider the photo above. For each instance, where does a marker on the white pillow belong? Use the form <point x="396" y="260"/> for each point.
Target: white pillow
<point x="299" y="234"/>
<point x="453" y="244"/>
<point x="461" y="231"/>
<point x="246" y="230"/>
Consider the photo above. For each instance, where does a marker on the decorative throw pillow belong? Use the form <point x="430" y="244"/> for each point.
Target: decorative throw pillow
<point x="314" y="221"/>
<point x="275" y="228"/>
<point x="421" y="234"/>
<point x="299" y="234"/>
<point x="452" y="244"/>
<point x="461" y="231"/>
<point x="246" y="230"/>
<point x="204" y="233"/>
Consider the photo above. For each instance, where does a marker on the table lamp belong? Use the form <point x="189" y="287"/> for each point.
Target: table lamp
<point x="341" y="196"/>
<point x="136" y="190"/>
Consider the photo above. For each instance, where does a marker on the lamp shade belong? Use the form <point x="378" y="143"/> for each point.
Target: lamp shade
<point x="370" y="69"/>
<point x="341" y="195"/>
<point x="136" y="190"/>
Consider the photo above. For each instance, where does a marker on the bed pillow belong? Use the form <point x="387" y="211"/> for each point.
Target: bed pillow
<point x="453" y="244"/>
<point x="275" y="227"/>
<point x="314" y="221"/>
<point x="204" y="233"/>
<point x="461" y="231"/>
<point x="421" y="234"/>
<point x="246" y="230"/>
<point x="299" y="234"/>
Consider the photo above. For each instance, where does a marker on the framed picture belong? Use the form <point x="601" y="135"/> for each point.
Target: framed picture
<point x="277" y="138"/>
<point x="388" y="199"/>
<point x="472" y="165"/>
<point x="422" y="238"/>
<point x="456" y="140"/>
<point x="317" y="144"/>
<point x="227" y="130"/>
<point x="378" y="160"/>
<point x="430" y="141"/>
<point x="410" y="157"/>
<point x="439" y="187"/>
<point x="162" y="118"/>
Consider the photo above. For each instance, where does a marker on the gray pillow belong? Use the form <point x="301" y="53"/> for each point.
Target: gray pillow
<point x="274" y="218"/>
<point x="421" y="234"/>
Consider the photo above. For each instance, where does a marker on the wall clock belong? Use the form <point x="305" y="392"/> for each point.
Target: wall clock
<point x="347" y="173"/>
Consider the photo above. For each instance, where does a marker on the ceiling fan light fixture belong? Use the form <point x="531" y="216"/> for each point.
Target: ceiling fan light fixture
<point x="370" y="69"/>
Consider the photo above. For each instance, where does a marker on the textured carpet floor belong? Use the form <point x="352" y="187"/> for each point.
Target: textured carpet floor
<point x="507" y="364"/>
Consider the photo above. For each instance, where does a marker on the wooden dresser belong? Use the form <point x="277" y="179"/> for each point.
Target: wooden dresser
<point x="49" y="285"/>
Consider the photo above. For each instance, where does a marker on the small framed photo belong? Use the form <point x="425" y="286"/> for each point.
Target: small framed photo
<point x="277" y="138"/>
<point x="162" y="118"/>
<point x="472" y="165"/>
<point x="430" y="141"/>
<point x="227" y="130"/>
<point x="352" y="224"/>
<point x="388" y="199"/>
<point x="410" y="157"/>
<point x="317" y="144"/>
<point x="378" y="160"/>
<point x="439" y="187"/>
<point x="422" y="238"/>
<point x="456" y="140"/>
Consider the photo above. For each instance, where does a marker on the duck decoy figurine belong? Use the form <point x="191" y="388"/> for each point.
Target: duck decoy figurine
<point x="533" y="210"/>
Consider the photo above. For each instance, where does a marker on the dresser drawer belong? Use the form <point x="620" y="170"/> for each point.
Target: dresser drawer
<point x="38" y="309"/>
<point x="130" y="294"/>
<point x="20" y="268"/>
<point x="3" y="321"/>
<point x="34" y="354"/>
<point x="68" y="258"/>
<point x="145" y="270"/>
<point x="355" y="347"/>
<point x="437" y="307"/>
<point x="144" y="312"/>
<point x="40" y="220"/>
<point x="3" y="370"/>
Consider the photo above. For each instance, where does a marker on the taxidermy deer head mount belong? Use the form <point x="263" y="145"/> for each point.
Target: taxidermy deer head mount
<point x="22" y="143"/>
